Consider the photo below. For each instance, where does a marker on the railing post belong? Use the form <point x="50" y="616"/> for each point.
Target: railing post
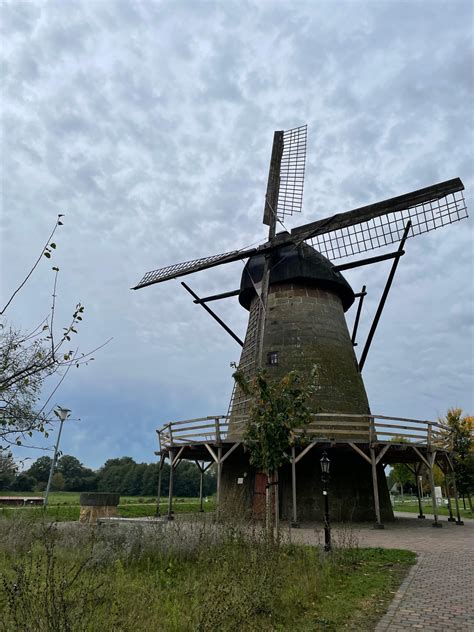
<point x="429" y="436"/>
<point x="293" y="486"/>
<point x="218" y="430"/>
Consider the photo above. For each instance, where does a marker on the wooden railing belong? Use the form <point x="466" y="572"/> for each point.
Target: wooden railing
<point x="333" y="427"/>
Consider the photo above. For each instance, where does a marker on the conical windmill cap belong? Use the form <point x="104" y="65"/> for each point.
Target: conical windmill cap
<point x="291" y="263"/>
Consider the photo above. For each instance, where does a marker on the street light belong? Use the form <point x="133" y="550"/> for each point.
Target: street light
<point x="325" y="463"/>
<point x="62" y="414"/>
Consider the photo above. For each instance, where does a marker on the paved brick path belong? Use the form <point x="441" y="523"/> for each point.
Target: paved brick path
<point x="438" y="593"/>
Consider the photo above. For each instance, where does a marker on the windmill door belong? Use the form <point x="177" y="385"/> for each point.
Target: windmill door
<point x="259" y="496"/>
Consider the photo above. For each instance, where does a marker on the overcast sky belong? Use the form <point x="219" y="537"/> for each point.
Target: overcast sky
<point x="149" y="125"/>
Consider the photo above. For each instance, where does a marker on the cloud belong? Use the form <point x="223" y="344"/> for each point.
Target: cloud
<point x="150" y="126"/>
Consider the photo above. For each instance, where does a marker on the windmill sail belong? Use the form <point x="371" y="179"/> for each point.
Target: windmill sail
<point x="383" y="223"/>
<point x="286" y="174"/>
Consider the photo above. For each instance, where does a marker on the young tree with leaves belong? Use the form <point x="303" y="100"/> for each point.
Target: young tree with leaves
<point x="278" y="409"/>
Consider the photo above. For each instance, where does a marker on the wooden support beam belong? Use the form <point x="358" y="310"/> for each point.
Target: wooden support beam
<point x="422" y="458"/>
<point x="229" y="452"/>
<point x="456" y="498"/>
<point x="305" y="451"/>
<point x="383" y="299"/>
<point x="361" y="452"/>
<point x="170" y="489"/>
<point x="211" y="452"/>
<point x="378" y="524"/>
<point x="158" y="491"/>
<point x="217" y="297"/>
<point x="180" y="452"/>
<point x="213" y="314"/>
<point x="219" y="477"/>
<point x="383" y="451"/>
<point x="431" y="459"/>
<point x="201" y="477"/>
<point x="356" y="321"/>
<point x="293" y="486"/>
<point x="419" y="491"/>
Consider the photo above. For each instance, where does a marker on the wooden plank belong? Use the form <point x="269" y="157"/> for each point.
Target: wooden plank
<point x="328" y="423"/>
<point x="188" y="421"/>
<point x="400" y="434"/>
<point x="372" y="416"/>
<point x="331" y="431"/>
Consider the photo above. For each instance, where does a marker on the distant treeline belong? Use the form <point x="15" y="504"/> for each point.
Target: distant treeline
<point x="122" y="475"/>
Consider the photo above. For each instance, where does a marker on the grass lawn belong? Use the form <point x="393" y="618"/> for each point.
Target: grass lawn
<point x="411" y="506"/>
<point x="187" y="578"/>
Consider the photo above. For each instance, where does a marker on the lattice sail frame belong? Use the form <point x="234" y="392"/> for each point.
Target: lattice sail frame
<point x="388" y="228"/>
<point x="292" y="168"/>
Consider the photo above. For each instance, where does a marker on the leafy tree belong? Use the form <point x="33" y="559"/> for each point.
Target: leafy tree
<point x="39" y="470"/>
<point x="8" y="470"/>
<point x="458" y="432"/>
<point x="23" y="483"/>
<point x="150" y="480"/>
<point x="57" y="482"/>
<point x="77" y="478"/>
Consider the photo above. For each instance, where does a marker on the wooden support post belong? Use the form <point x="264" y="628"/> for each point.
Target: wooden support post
<point x="158" y="493"/>
<point x="431" y="458"/>
<point x="456" y="500"/>
<point x="448" y="495"/>
<point x="170" y="490"/>
<point x="295" y="522"/>
<point x="421" y="515"/>
<point x="219" y="476"/>
<point x="201" y="480"/>
<point x="277" y="502"/>
<point x="378" y="524"/>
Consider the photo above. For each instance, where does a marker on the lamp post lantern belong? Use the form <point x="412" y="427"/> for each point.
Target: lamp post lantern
<point x="62" y="414"/>
<point x="325" y="463"/>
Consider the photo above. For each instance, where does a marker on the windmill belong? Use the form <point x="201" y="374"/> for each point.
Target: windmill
<point x="297" y="297"/>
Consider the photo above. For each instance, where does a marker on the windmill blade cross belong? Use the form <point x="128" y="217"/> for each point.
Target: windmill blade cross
<point x="382" y="224"/>
<point x="188" y="267"/>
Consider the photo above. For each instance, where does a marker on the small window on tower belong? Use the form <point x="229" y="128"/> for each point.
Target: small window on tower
<point x="272" y="357"/>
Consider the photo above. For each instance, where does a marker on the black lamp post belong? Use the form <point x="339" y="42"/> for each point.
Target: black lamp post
<point x="325" y="464"/>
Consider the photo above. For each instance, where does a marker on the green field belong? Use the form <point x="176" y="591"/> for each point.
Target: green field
<point x="64" y="506"/>
<point x="410" y="505"/>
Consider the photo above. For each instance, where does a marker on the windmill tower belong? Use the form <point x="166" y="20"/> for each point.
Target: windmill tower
<point x="297" y="299"/>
